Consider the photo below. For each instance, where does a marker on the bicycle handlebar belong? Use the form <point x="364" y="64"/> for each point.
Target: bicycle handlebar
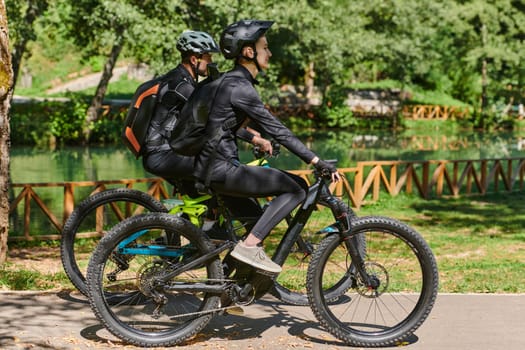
<point x="258" y="153"/>
<point x="325" y="173"/>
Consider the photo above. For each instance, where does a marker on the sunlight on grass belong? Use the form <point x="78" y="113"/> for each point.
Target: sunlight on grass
<point x="479" y="244"/>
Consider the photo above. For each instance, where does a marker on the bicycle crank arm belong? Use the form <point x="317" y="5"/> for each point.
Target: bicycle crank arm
<point x="196" y="287"/>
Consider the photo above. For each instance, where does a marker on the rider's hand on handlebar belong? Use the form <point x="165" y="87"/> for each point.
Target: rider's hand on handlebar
<point x="264" y="145"/>
<point x="326" y="168"/>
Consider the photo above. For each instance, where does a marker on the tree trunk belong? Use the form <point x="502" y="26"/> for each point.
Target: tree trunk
<point x="95" y="107"/>
<point x="309" y="81"/>
<point x="484" y="79"/>
<point x="34" y="10"/>
<point x="6" y="91"/>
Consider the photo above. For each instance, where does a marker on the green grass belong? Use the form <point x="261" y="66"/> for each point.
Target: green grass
<point x="22" y="279"/>
<point x="479" y="244"/>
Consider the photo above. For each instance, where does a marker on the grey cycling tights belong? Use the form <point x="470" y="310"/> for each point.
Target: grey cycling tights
<point x="251" y="181"/>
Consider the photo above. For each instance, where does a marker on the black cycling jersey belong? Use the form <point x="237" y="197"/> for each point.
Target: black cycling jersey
<point x="237" y="98"/>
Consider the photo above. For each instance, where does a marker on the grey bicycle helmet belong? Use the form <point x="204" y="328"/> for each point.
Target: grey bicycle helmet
<point x="240" y="34"/>
<point x="196" y="42"/>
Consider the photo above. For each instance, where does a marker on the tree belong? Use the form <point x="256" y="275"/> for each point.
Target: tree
<point x="6" y="91"/>
<point x="488" y="39"/>
<point x="22" y="23"/>
<point x="141" y="29"/>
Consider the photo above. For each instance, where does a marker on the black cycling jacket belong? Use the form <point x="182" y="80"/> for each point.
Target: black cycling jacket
<point x="238" y="98"/>
<point x="179" y="88"/>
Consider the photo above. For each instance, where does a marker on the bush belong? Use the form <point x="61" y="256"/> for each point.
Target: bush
<point x="44" y="123"/>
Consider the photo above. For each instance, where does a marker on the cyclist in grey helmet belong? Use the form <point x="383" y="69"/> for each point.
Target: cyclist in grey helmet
<point x="246" y="43"/>
<point x="196" y="49"/>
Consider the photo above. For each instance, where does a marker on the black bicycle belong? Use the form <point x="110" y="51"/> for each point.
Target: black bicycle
<point x="157" y="280"/>
<point x="98" y="213"/>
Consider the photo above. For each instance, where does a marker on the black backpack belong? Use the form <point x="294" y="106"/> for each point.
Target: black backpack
<point x="140" y="112"/>
<point x="189" y="134"/>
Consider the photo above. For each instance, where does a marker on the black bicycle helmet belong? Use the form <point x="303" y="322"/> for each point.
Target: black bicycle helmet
<point x="196" y="42"/>
<point x="240" y="34"/>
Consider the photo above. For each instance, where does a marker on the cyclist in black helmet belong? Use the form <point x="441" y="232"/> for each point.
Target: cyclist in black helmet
<point x="246" y="43"/>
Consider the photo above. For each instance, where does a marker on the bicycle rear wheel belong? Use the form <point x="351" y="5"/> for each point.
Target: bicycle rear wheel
<point x="130" y="293"/>
<point x="91" y="219"/>
<point x="399" y="296"/>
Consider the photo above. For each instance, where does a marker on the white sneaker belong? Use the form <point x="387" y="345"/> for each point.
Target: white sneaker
<point x="256" y="257"/>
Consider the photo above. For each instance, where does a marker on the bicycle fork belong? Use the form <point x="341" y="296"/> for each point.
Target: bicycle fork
<point x="358" y="267"/>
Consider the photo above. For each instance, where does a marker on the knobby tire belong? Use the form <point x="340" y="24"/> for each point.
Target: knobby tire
<point x="396" y="256"/>
<point x="83" y="212"/>
<point x="132" y="315"/>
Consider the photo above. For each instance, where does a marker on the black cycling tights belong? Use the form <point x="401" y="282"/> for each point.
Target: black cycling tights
<point x="250" y="181"/>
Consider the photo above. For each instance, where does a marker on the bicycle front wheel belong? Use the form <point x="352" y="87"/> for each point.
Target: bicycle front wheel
<point x="397" y="297"/>
<point x="146" y="284"/>
<point x="91" y="219"/>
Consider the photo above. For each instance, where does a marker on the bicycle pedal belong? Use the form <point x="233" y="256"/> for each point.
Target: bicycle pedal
<point x="234" y="311"/>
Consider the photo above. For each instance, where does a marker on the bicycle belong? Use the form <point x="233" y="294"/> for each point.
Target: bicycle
<point x="117" y="204"/>
<point x="149" y="289"/>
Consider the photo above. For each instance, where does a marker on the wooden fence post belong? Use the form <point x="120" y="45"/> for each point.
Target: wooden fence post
<point x="69" y="201"/>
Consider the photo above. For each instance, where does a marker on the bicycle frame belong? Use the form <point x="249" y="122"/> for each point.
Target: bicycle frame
<point x="193" y="208"/>
<point x="291" y="236"/>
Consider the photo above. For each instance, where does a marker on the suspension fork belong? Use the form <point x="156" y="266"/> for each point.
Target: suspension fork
<point x="358" y="260"/>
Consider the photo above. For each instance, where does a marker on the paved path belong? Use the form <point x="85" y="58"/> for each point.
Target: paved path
<point x="63" y="321"/>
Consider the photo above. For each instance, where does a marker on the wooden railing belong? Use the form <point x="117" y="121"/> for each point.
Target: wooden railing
<point x="374" y="109"/>
<point x="434" y="112"/>
<point x="365" y="182"/>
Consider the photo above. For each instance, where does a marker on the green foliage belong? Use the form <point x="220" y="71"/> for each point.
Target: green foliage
<point x="108" y="129"/>
<point x="54" y="122"/>
<point x="412" y="45"/>
<point x="66" y="124"/>
<point x="335" y="113"/>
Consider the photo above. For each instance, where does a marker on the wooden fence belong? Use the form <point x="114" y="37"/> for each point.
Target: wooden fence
<point x="365" y="182"/>
<point x="427" y="112"/>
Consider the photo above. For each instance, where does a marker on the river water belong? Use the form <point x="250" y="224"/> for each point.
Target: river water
<point x="30" y="165"/>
